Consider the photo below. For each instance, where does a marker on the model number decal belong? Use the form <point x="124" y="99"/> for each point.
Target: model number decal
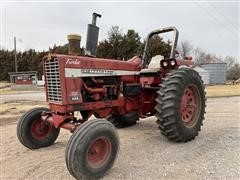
<point x="75" y="98"/>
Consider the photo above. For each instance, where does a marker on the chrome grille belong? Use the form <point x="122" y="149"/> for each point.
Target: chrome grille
<point x="53" y="80"/>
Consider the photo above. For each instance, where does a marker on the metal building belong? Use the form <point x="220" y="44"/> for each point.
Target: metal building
<point x="217" y="72"/>
<point x="204" y="74"/>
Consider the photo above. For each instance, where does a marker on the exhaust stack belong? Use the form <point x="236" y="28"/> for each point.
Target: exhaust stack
<point x="92" y="36"/>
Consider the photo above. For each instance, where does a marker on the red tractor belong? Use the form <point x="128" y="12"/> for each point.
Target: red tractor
<point x="117" y="93"/>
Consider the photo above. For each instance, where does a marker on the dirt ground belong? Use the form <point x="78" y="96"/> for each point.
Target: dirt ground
<point x="144" y="152"/>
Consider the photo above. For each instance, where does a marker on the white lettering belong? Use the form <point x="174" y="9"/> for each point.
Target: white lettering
<point x="77" y="72"/>
<point x="73" y="61"/>
<point x="97" y="71"/>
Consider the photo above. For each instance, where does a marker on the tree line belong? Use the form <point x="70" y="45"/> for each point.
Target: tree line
<point x="119" y="46"/>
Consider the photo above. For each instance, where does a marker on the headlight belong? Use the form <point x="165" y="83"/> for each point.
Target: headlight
<point x="173" y="62"/>
<point x="165" y="63"/>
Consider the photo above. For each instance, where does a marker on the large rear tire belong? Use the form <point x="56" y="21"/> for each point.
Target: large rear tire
<point x="180" y="105"/>
<point x="34" y="134"/>
<point x="92" y="149"/>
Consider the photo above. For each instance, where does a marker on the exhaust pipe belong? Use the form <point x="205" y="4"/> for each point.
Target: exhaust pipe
<point x="92" y="36"/>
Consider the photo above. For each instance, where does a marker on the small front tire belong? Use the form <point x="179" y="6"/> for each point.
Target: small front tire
<point x="33" y="133"/>
<point x="92" y="149"/>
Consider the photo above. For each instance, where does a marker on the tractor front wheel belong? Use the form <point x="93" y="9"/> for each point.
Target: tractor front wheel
<point x="180" y="105"/>
<point x="92" y="149"/>
<point x="33" y="133"/>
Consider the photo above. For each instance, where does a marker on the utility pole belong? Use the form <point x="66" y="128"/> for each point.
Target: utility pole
<point x="15" y="55"/>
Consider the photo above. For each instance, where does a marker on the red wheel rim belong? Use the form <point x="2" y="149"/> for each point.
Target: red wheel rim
<point x="190" y="105"/>
<point x="99" y="152"/>
<point x="40" y="130"/>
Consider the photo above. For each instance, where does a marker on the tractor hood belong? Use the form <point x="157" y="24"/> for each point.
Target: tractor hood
<point x="82" y="66"/>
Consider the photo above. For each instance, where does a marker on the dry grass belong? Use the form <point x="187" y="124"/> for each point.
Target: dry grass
<point x="223" y="90"/>
<point x="19" y="106"/>
<point x="4" y="83"/>
<point x="12" y="110"/>
<point x="9" y="91"/>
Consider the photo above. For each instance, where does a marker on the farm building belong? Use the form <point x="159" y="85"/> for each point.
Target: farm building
<point x="26" y="80"/>
<point x="204" y="74"/>
<point x="217" y="72"/>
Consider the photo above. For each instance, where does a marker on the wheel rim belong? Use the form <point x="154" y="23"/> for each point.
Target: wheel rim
<point x="190" y="106"/>
<point x="40" y="130"/>
<point x="99" y="152"/>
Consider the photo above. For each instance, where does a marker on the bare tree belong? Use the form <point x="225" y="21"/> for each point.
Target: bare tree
<point x="234" y="72"/>
<point x="230" y="61"/>
<point x="233" y="68"/>
<point x="199" y="56"/>
<point x="185" y="49"/>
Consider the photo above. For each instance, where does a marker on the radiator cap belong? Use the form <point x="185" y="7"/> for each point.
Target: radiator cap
<point x="74" y="44"/>
<point x="74" y="37"/>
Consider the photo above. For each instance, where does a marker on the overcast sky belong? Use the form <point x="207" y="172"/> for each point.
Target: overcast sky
<point x="212" y="26"/>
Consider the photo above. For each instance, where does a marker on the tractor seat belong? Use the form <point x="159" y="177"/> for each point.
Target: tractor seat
<point x="154" y="65"/>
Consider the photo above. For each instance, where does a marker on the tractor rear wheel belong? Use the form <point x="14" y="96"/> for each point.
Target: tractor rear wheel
<point x="180" y="105"/>
<point x="33" y="133"/>
<point x="92" y="149"/>
<point x="122" y="121"/>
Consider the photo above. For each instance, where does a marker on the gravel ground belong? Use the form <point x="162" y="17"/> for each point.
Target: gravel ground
<point x="144" y="152"/>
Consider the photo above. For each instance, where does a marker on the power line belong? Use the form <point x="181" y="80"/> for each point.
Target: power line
<point x="223" y="15"/>
<point x="215" y="19"/>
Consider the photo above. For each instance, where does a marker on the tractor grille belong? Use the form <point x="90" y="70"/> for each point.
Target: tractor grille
<point x="53" y="80"/>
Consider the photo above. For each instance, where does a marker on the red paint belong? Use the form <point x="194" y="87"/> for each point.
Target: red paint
<point x="99" y="152"/>
<point x="100" y="104"/>
<point x="188" y="105"/>
<point x="104" y="112"/>
<point x="99" y="63"/>
<point x="91" y="95"/>
<point x="74" y="87"/>
<point x="69" y="126"/>
<point x="150" y="81"/>
<point x="40" y="130"/>
<point x="184" y="62"/>
<point x="59" y="119"/>
<point x="147" y="99"/>
<point x="23" y="81"/>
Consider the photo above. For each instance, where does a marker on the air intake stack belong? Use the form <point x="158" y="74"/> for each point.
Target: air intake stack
<point x="92" y="36"/>
<point x="74" y="44"/>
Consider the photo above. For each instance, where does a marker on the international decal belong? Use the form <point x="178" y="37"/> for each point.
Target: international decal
<point x="97" y="71"/>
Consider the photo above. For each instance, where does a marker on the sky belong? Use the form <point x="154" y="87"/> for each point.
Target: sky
<point x="210" y="25"/>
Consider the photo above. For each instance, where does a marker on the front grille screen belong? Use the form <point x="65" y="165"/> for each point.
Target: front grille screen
<point x="53" y="80"/>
